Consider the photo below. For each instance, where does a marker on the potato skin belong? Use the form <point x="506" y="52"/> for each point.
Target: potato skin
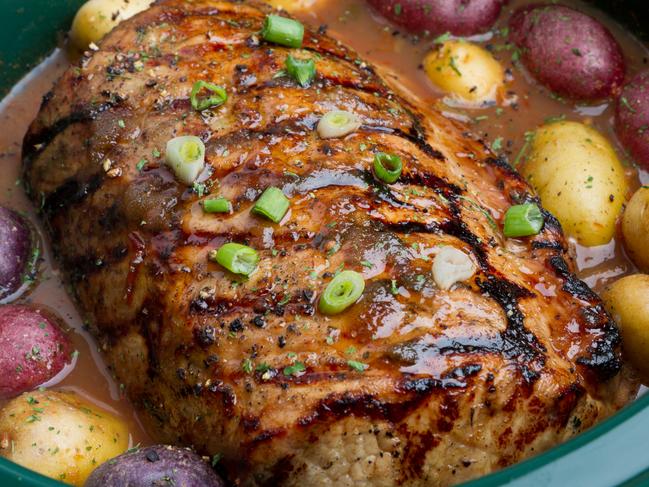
<point x="17" y="243"/>
<point x="635" y="229"/>
<point x="60" y="435"/>
<point x="34" y="349"/>
<point x="459" y="17"/>
<point x="627" y="300"/>
<point x="568" y="51"/>
<point x="96" y="18"/>
<point x="468" y="72"/>
<point x="632" y="117"/>
<point x="155" y="466"/>
<point x="579" y="178"/>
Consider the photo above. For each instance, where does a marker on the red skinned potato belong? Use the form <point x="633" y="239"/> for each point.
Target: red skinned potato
<point x="34" y="349"/>
<point x="632" y="117"/>
<point x="568" y="51"/>
<point x="17" y="249"/>
<point x="459" y="17"/>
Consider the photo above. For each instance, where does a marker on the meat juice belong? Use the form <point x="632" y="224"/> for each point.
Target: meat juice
<point x="398" y="58"/>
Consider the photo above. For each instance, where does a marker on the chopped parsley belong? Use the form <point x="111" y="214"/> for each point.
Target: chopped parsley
<point x="357" y="366"/>
<point x="442" y="38"/>
<point x="246" y="366"/>
<point x="453" y="66"/>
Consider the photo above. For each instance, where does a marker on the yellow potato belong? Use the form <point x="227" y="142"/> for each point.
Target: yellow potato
<point x="579" y="178"/>
<point x="628" y="302"/>
<point x="466" y="71"/>
<point x="635" y="228"/>
<point x="59" y="435"/>
<point x="96" y="18"/>
<point x="292" y="5"/>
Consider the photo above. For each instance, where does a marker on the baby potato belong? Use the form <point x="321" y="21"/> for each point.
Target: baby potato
<point x="579" y="178"/>
<point x="627" y="301"/>
<point x="96" y="18"/>
<point x="635" y="229"/>
<point x="60" y="435"/>
<point x="459" y="17"/>
<point x="571" y="53"/>
<point x="466" y="71"/>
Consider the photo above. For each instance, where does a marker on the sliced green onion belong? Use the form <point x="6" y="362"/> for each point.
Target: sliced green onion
<point x="387" y="167"/>
<point x="283" y="31"/>
<point x="337" y="123"/>
<point x="296" y="369"/>
<point x="185" y="155"/>
<point x="272" y="204"/>
<point x="301" y="70"/>
<point x="237" y="258"/>
<point x="343" y="291"/>
<point x="217" y="205"/>
<point x="217" y="95"/>
<point x="523" y="221"/>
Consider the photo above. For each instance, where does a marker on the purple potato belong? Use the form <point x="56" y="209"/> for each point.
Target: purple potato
<point x="632" y="117"/>
<point x="16" y="248"/>
<point x="155" y="466"/>
<point x="34" y="349"/>
<point x="459" y="17"/>
<point x="568" y="51"/>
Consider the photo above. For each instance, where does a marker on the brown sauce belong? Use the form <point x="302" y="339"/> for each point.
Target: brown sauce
<point x="352" y="22"/>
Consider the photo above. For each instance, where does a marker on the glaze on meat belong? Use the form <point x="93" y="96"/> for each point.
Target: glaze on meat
<point x="458" y="382"/>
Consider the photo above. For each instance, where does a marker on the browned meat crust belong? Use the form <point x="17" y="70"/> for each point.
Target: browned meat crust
<point x="460" y="382"/>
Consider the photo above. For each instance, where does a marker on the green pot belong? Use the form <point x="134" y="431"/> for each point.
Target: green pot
<point x="614" y="453"/>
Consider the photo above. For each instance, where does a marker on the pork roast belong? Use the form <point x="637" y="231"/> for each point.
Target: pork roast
<point x="414" y="384"/>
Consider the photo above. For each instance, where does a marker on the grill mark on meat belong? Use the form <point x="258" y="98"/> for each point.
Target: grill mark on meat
<point x="265" y="436"/>
<point x="502" y="164"/>
<point x="71" y="192"/>
<point x="82" y="266"/>
<point x="363" y="85"/>
<point x="456" y="227"/>
<point x="572" y="285"/>
<point x="148" y="321"/>
<point x="414" y="137"/>
<point x="409" y="227"/>
<point x="602" y="358"/>
<point x="548" y="244"/>
<point x="35" y="143"/>
<point x="419" y="177"/>
<point x="335" y="407"/>
<point x="408" y="353"/>
<point x="520" y="344"/>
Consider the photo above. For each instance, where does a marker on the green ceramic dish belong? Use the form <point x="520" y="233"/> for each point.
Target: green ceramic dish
<point x="614" y="453"/>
